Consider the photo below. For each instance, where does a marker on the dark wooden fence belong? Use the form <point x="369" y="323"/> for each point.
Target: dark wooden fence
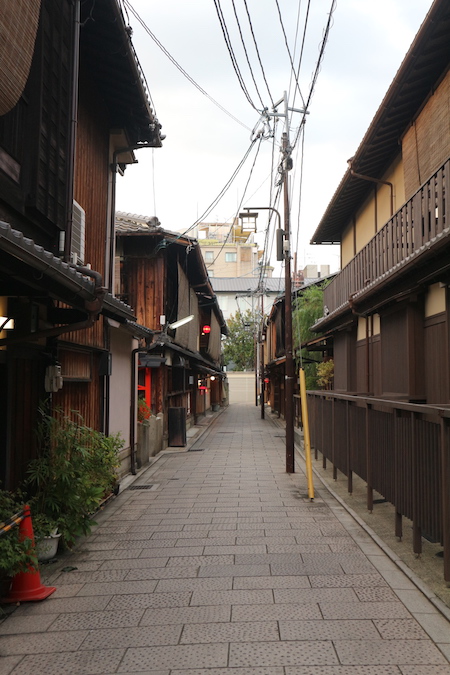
<point x="417" y="224"/>
<point x="401" y="450"/>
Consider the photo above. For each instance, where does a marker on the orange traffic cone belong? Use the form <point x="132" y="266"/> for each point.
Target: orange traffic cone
<point x="26" y="586"/>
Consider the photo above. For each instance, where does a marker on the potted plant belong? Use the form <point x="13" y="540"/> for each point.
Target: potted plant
<point x="15" y="555"/>
<point x="74" y="471"/>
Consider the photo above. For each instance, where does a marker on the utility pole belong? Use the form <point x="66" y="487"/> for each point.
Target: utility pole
<point x="289" y="363"/>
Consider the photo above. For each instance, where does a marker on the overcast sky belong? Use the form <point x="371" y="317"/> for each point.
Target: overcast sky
<point x="203" y="145"/>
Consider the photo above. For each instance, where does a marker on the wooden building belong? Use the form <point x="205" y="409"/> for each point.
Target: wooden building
<point x="76" y="120"/>
<point x="388" y="310"/>
<point x="162" y="274"/>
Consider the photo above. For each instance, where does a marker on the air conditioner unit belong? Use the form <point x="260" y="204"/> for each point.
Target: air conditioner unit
<point x="78" y="234"/>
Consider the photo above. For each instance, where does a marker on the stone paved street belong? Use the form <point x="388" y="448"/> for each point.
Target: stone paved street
<point x="223" y="566"/>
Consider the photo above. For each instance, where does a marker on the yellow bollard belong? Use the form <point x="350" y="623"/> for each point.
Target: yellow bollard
<point x="306" y="438"/>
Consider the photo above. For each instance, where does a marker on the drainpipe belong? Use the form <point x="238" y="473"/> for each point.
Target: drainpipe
<point x="373" y="180"/>
<point x="133" y="407"/>
<point x="73" y="129"/>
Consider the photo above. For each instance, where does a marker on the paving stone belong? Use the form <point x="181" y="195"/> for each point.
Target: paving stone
<point x="226" y="671"/>
<point x="202" y="560"/>
<point x="252" y="597"/>
<point x="40" y="643"/>
<point x="205" y="584"/>
<point x="230" y="632"/>
<point x="271" y="582"/>
<point x="63" y="606"/>
<point x="171" y="552"/>
<point x="346" y="580"/>
<point x="186" y="615"/>
<point x="395" y="652"/>
<point x="134" y="563"/>
<point x="23" y="625"/>
<point x="275" y="612"/>
<point x="189" y="572"/>
<point x="138" y="600"/>
<point x="425" y="670"/>
<point x="376" y="594"/>
<point x="231" y="570"/>
<point x="72" y="663"/>
<point x="400" y="629"/>
<point x="8" y="663"/>
<point x="89" y="577"/>
<point x="328" y="630"/>
<point x="342" y="670"/>
<point x="281" y="654"/>
<point x="180" y="656"/>
<point x="142" y="636"/>
<point x="97" y="620"/>
<point x="364" y="610"/>
<point x="312" y="595"/>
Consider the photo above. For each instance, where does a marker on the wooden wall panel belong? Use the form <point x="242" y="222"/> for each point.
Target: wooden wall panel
<point x="84" y="398"/>
<point x="340" y="352"/>
<point x="436" y="360"/>
<point x="92" y="173"/>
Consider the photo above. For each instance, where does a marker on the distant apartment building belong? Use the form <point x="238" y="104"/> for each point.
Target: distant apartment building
<point x="229" y="250"/>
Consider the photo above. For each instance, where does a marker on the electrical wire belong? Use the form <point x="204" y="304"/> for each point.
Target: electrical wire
<point x="246" y="53"/>
<point x="223" y="191"/>
<point x="233" y="58"/>
<point x="179" y="67"/>
<point x="289" y="51"/>
<point x="240" y="204"/>
<point x="257" y="51"/>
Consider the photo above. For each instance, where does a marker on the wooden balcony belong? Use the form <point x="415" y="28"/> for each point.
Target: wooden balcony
<point x="417" y="226"/>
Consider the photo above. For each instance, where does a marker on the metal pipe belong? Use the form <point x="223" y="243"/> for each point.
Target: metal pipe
<point x="73" y="129"/>
<point x="373" y="180"/>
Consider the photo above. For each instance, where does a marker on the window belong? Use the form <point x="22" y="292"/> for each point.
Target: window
<point x="230" y="257"/>
<point x="209" y="256"/>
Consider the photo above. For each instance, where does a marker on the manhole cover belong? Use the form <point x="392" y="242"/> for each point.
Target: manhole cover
<point x="143" y="487"/>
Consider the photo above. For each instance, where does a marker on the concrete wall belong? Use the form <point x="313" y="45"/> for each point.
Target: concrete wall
<point x="241" y="387"/>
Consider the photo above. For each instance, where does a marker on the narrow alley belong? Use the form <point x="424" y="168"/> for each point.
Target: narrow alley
<point x="214" y="561"/>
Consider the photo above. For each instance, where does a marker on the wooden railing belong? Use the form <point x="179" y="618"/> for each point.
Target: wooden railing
<point x="417" y="223"/>
<point x="401" y="450"/>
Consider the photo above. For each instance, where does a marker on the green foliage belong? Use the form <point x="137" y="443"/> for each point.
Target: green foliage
<point x="308" y="308"/>
<point x="325" y="374"/>
<point x="15" y="555"/>
<point x="239" y="347"/>
<point x="75" y="469"/>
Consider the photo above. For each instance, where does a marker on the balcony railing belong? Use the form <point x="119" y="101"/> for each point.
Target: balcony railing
<point x="416" y="224"/>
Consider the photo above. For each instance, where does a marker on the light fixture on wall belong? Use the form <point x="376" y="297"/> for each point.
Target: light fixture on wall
<point x="180" y="322"/>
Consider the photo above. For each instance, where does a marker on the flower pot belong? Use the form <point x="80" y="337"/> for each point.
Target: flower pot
<point x="47" y="546"/>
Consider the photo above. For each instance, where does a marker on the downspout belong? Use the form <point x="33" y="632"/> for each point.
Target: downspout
<point x="133" y="401"/>
<point x="373" y="180"/>
<point x="73" y="129"/>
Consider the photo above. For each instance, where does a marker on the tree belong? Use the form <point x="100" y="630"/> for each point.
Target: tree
<point x="239" y="346"/>
<point x="308" y="308"/>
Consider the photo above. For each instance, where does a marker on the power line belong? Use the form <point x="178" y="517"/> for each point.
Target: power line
<point x="257" y="51"/>
<point x="289" y="51"/>
<point x="231" y="52"/>
<point x="246" y="53"/>
<point x="178" y="66"/>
